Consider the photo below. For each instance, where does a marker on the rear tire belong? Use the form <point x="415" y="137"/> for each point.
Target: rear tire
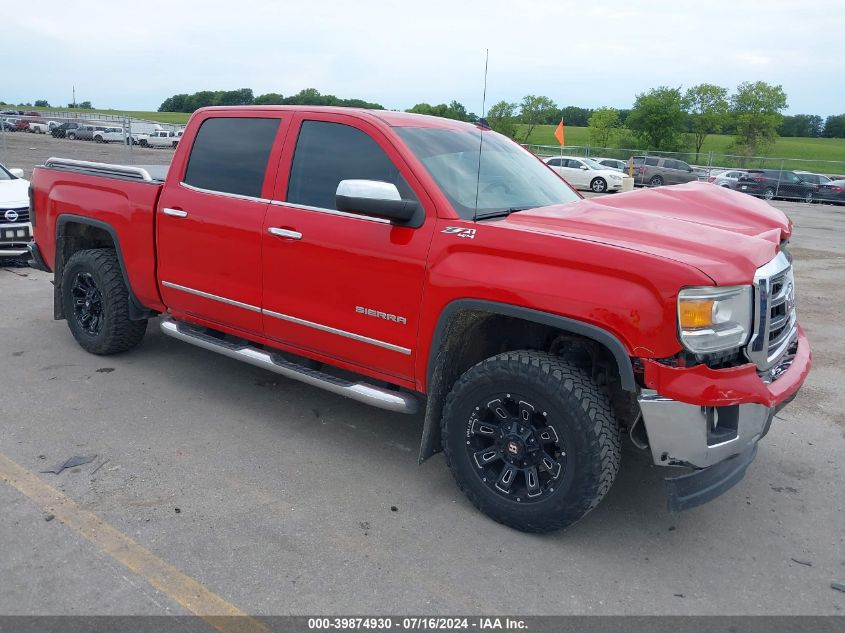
<point x="71" y="136"/>
<point x="769" y="193"/>
<point x="808" y="197"/>
<point x="656" y="181"/>
<point x="96" y="303"/>
<point x="540" y="418"/>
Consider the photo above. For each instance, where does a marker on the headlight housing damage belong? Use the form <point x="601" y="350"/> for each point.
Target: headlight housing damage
<point x="714" y="319"/>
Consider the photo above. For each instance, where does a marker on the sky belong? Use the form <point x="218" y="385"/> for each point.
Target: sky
<point x="131" y="55"/>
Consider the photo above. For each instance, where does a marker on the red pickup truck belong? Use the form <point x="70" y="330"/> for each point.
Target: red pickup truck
<point x="413" y="262"/>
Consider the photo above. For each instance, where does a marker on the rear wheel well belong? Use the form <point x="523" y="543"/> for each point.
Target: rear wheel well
<point x="70" y="238"/>
<point x="472" y="336"/>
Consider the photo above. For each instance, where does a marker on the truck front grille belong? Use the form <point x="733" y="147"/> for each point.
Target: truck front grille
<point x="775" y="322"/>
<point x="22" y="215"/>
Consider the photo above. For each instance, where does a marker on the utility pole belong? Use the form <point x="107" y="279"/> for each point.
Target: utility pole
<point x="74" y="97"/>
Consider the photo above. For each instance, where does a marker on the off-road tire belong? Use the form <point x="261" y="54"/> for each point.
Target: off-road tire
<point x="117" y="333"/>
<point x="581" y="415"/>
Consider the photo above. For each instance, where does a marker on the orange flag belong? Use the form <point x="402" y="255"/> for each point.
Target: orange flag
<point x="559" y="133"/>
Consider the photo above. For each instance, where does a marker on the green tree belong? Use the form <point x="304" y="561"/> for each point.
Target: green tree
<point x="575" y="116"/>
<point x="453" y="110"/>
<point x="706" y="106"/>
<point x="801" y="125"/>
<point x="834" y="126"/>
<point x="271" y="98"/>
<point x="756" y="108"/>
<point x="243" y="96"/>
<point x="42" y="103"/>
<point x="602" y="124"/>
<point x="657" y="118"/>
<point x="86" y="105"/>
<point x="534" y="110"/>
<point x="502" y="118"/>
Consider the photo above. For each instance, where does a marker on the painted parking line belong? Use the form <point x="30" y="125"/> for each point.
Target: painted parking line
<point x="166" y="578"/>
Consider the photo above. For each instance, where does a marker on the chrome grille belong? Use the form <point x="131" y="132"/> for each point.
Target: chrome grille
<point x="775" y="323"/>
<point x="23" y="215"/>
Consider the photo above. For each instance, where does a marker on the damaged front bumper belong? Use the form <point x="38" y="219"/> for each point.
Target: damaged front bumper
<point x="716" y="437"/>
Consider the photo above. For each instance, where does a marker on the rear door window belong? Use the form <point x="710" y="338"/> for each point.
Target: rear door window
<point x="654" y="162"/>
<point x="230" y="155"/>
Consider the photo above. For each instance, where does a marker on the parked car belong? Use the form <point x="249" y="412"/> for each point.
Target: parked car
<point x="833" y="192"/>
<point x="585" y="173"/>
<point x="725" y="178"/>
<point x="613" y="163"/>
<point x="61" y="130"/>
<point x="550" y="325"/>
<point x="774" y="183"/>
<point x="22" y="125"/>
<point x="159" y="138"/>
<point x="815" y="179"/>
<point x="115" y="135"/>
<point x="10" y="125"/>
<point x="85" y="132"/>
<point x="41" y="127"/>
<point x="655" y="171"/>
<point x="15" y="226"/>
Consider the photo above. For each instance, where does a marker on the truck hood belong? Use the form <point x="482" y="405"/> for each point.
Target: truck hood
<point x="725" y="234"/>
<point x="13" y="194"/>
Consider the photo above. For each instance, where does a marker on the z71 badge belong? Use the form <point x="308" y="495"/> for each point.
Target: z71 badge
<point x="456" y="230"/>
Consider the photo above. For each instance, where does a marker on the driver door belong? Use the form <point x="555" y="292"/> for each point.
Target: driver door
<point x="339" y="284"/>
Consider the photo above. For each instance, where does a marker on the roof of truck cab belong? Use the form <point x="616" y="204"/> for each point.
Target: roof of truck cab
<point x="393" y="119"/>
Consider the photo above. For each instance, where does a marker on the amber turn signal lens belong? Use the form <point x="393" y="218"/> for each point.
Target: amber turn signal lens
<point x="696" y="313"/>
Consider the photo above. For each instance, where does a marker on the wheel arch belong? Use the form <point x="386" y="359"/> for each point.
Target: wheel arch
<point x="75" y="233"/>
<point x="470" y="330"/>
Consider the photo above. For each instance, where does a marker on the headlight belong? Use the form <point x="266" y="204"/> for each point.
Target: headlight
<point x="615" y="177"/>
<point x="714" y="319"/>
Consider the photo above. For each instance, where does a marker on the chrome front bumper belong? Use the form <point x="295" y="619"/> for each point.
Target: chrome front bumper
<point x="682" y="434"/>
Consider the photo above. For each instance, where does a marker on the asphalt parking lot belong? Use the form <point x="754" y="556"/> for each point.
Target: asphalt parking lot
<point x="214" y="480"/>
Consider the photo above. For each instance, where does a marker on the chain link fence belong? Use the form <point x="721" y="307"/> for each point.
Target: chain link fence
<point x="29" y="137"/>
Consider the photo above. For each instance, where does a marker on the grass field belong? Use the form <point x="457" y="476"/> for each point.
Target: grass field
<point x="162" y="117"/>
<point x="815" y="149"/>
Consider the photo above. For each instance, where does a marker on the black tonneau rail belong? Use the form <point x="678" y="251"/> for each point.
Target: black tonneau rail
<point x="123" y="172"/>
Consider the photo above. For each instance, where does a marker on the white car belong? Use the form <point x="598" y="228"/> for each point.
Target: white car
<point x="584" y="173"/>
<point x="726" y="178"/>
<point x="114" y="135"/>
<point x="41" y="127"/>
<point x="159" y="138"/>
<point x="15" y="227"/>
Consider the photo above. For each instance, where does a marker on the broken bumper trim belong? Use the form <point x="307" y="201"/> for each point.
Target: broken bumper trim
<point x="701" y="486"/>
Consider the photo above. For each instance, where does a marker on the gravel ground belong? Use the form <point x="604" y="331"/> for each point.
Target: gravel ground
<point x="286" y="494"/>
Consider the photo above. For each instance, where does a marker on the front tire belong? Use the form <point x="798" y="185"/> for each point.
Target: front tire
<point x="598" y="185"/>
<point x="531" y="440"/>
<point x="96" y="303"/>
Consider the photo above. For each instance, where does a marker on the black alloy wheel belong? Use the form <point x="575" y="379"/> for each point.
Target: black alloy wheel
<point x="517" y="454"/>
<point x="87" y="303"/>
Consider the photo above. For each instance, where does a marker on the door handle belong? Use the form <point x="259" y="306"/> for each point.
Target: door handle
<point x="279" y="232"/>
<point x="176" y="213"/>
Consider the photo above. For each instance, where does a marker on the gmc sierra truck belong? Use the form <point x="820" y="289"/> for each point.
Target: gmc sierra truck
<point x="418" y="263"/>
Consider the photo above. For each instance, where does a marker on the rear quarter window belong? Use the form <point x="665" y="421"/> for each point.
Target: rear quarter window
<point x="230" y="155"/>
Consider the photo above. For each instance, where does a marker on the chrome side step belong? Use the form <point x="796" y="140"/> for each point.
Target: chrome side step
<point x="399" y="401"/>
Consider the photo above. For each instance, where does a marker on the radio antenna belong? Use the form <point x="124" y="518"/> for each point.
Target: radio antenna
<point x="483" y="123"/>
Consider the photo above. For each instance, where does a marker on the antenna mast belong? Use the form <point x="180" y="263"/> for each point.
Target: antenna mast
<point x="481" y="133"/>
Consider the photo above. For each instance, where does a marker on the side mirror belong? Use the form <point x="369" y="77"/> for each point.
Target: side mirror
<point x="584" y="167"/>
<point x="376" y="198"/>
<point x="17" y="173"/>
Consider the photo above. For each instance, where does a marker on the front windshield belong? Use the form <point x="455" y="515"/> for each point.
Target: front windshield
<point x="509" y="179"/>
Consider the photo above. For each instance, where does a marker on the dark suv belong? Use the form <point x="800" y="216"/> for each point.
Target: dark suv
<point x="60" y="131"/>
<point x="775" y="183"/>
<point x="655" y="171"/>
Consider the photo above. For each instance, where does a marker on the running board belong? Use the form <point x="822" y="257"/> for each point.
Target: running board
<point x="401" y="402"/>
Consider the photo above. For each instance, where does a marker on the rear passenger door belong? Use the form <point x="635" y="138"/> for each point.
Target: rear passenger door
<point x="342" y="285"/>
<point x="210" y="216"/>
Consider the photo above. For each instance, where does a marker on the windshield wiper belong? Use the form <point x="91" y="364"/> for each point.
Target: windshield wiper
<point x="503" y="212"/>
